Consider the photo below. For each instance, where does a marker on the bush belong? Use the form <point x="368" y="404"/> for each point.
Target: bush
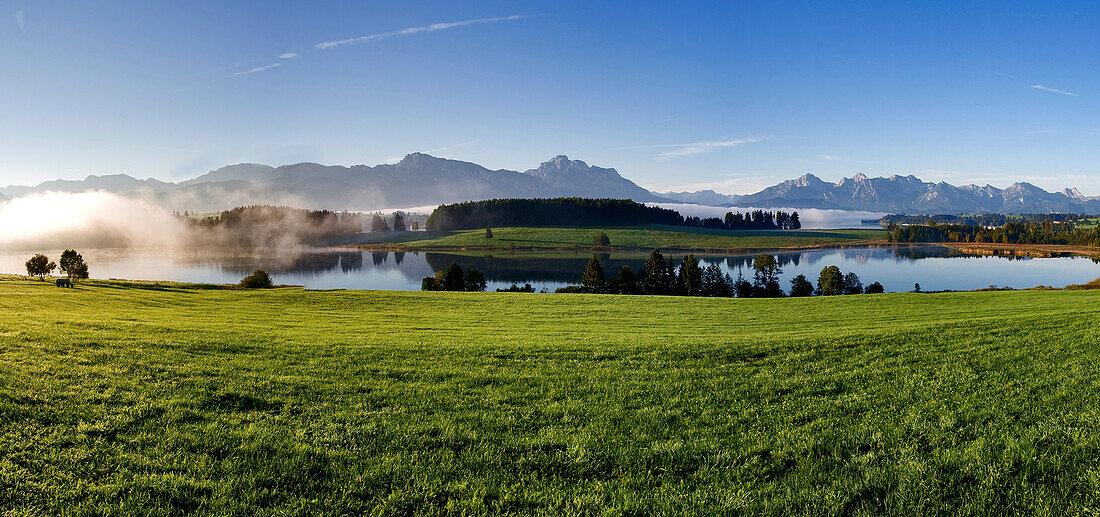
<point x="259" y="279"/>
<point x="514" y="288"/>
<point x="601" y="240"/>
<point x="874" y="288"/>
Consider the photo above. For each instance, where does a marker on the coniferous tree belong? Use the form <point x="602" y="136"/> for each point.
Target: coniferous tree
<point x="378" y="224"/>
<point x="593" y="277"/>
<point x="689" y="278"/>
<point x="716" y="283"/>
<point x="627" y="281"/>
<point x="654" y="275"/>
<point x="601" y="240"/>
<point x="488" y="232"/>
<point x="800" y="286"/>
<point x="742" y="288"/>
<point x="398" y="222"/>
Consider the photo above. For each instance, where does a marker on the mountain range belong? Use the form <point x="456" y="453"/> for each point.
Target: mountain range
<point x="421" y="180"/>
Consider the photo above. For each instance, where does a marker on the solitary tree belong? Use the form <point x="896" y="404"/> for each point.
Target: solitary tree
<point x="488" y="232"/>
<point x="830" y="282"/>
<point x="916" y="287"/>
<point x="259" y="279"/>
<point x="800" y="286"/>
<point x="72" y="264"/>
<point x="40" y="266"/>
<point x="601" y="240"/>
<point x="593" y="277"/>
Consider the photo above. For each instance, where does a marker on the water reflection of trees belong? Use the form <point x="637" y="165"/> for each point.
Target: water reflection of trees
<point x="521" y="268"/>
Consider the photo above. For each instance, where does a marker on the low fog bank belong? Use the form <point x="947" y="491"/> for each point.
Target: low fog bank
<point x="55" y="220"/>
<point x="90" y="219"/>
<point x="811" y="218"/>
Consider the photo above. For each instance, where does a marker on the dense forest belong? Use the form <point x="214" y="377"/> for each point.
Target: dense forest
<point x="978" y="219"/>
<point x="592" y="212"/>
<point x="1047" y="232"/>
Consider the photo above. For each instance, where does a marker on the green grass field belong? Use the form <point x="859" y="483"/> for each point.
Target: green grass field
<point x="667" y="237"/>
<point x="157" y="400"/>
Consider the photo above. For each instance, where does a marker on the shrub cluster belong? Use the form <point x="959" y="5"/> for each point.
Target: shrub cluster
<point x="454" y="279"/>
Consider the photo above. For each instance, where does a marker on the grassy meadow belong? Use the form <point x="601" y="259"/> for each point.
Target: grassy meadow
<point x="647" y="238"/>
<point x="158" y="399"/>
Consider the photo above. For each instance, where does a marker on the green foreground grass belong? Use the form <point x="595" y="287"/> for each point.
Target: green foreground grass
<point x="158" y="400"/>
<point x="665" y="237"/>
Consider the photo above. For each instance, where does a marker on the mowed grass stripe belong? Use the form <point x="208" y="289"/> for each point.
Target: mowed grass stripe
<point x="158" y="400"/>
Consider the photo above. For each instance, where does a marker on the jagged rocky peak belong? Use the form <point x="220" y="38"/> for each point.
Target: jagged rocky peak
<point x="806" y="180"/>
<point x="1073" y="193"/>
<point x="415" y="159"/>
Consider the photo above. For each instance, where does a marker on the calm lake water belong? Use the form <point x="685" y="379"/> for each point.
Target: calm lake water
<point x="897" y="268"/>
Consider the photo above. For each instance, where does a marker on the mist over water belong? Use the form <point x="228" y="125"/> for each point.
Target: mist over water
<point x="89" y="219"/>
<point x="811" y="218"/>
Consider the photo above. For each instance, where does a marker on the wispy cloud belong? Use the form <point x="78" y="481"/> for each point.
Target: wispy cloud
<point x="831" y="157"/>
<point x="452" y="146"/>
<point x="705" y="146"/>
<point x="414" y="30"/>
<point x="1053" y="90"/>
<point x="738" y="185"/>
<point x="254" y="70"/>
<point x="19" y="20"/>
<point x="288" y="55"/>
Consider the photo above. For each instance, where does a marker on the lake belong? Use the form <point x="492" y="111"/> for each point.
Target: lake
<point x="897" y="268"/>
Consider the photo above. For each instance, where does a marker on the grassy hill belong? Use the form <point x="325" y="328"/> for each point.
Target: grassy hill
<point x="654" y="236"/>
<point x="160" y="399"/>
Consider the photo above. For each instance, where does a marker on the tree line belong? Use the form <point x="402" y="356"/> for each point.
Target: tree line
<point x="661" y="276"/>
<point x="575" y="211"/>
<point x="978" y="219"/>
<point x="1013" y="232"/>
<point x="754" y="220"/>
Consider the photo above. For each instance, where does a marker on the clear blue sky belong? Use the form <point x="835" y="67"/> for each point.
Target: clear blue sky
<point x="732" y="95"/>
